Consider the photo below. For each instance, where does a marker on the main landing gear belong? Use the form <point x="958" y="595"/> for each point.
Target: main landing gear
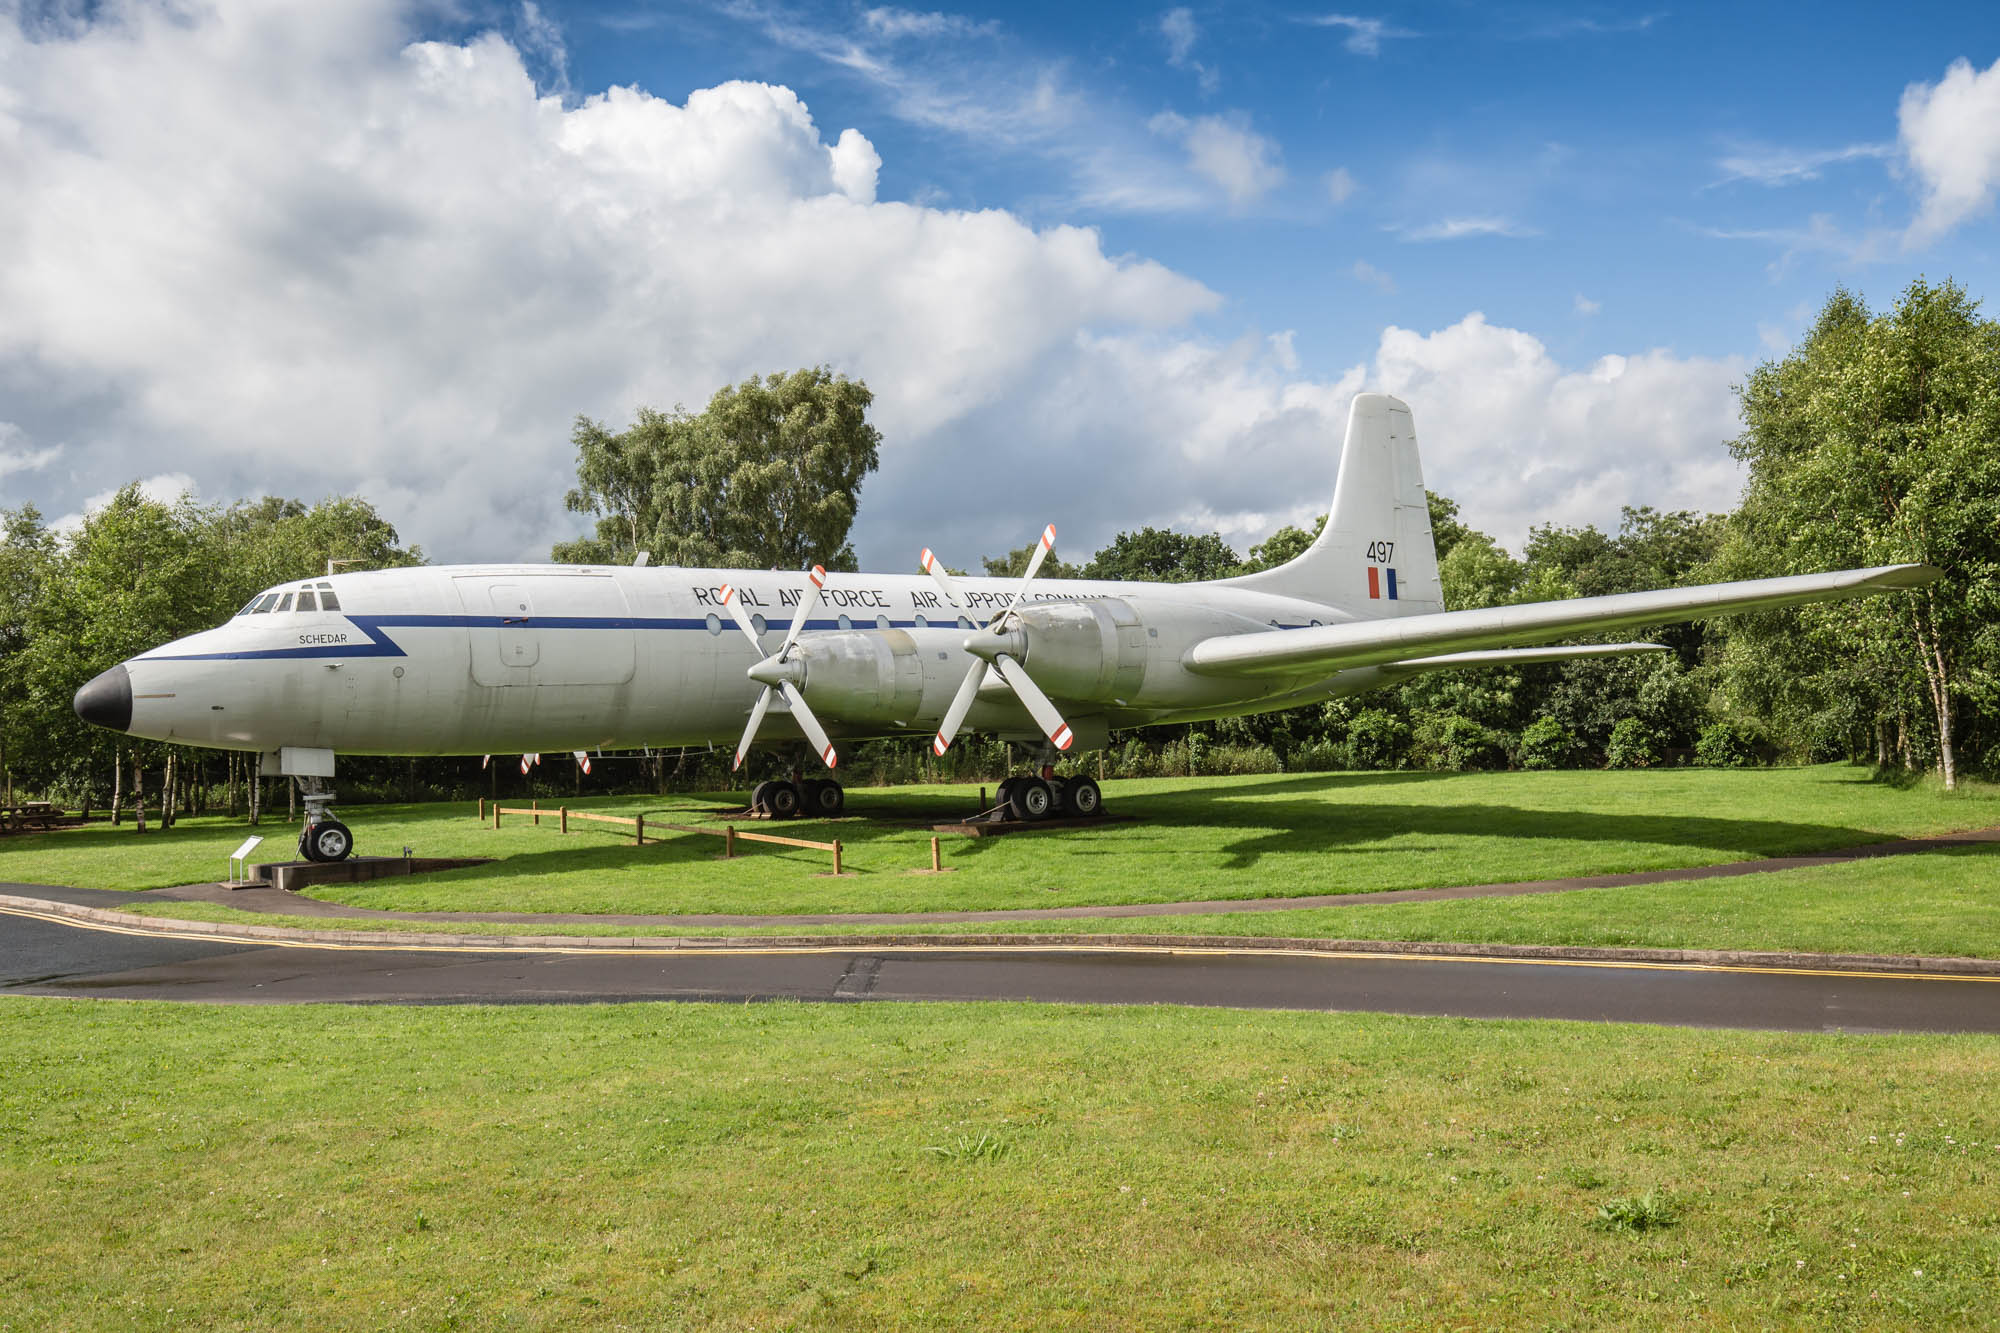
<point x="324" y="838"/>
<point x="1043" y="795"/>
<point x="812" y="798"/>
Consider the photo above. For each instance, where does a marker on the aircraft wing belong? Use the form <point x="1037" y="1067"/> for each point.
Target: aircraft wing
<point x="1329" y="648"/>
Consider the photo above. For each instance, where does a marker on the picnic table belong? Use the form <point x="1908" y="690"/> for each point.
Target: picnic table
<point x="30" y="814"/>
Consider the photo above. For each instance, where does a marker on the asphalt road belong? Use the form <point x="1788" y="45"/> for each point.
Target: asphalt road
<point x="43" y="957"/>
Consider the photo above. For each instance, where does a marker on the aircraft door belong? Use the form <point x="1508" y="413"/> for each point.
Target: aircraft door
<point x="515" y="639"/>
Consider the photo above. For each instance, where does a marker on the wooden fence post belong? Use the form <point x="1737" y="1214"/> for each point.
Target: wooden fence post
<point x="496" y="813"/>
<point x="536" y="806"/>
<point x="563" y="811"/>
<point x="728" y="841"/>
<point x="937" y="863"/>
<point x="482" y="809"/>
<point x="639" y="831"/>
<point x="836" y="856"/>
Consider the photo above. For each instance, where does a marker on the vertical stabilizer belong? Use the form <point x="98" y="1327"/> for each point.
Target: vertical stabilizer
<point x="1374" y="558"/>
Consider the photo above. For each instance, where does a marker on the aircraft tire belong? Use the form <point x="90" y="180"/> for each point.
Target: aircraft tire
<point x="328" y="840"/>
<point x="1004" y="797"/>
<point x="1081" y="798"/>
<point x="784" y="800"/>
<point x="1032" y="799"/>
<point x="824" y="798"/>
<point x="760" y="798"/>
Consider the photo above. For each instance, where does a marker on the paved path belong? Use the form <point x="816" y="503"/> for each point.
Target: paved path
<point x="291" y="904"/>
<point x="42" y="955"/>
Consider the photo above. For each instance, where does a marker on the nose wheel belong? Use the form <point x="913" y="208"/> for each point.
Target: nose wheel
<point x="324" y="837"/>
<point x="328" y="840"/>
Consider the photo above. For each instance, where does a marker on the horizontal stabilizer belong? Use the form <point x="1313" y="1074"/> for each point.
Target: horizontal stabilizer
<point x="1322" y="649"/>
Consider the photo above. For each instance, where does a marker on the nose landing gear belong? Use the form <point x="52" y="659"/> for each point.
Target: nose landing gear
<point x="324" y="838"/>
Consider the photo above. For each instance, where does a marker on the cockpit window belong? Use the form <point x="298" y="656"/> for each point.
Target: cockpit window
<point x="251" y="605"/>
<point x="306" y="601"/>
<point x="327" y="601"/>
<point x="265" y="603"/>
<point x="286" y="604"/>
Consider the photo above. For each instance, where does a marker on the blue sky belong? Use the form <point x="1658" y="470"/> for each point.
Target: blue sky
<point x="1666" y="165"/>
<point x="1106" y="265"/>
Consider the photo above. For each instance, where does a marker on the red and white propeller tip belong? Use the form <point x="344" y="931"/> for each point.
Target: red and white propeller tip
<point x="1037" y="703"/>
<point x="801" y="714"/>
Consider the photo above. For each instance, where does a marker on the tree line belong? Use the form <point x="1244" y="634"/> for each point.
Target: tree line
<point x="1875" y="441"/>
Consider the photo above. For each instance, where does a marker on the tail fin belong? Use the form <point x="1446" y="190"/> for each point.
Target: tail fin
<point x="1374" y="557"/>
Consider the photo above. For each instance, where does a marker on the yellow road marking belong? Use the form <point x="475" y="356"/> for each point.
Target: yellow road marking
<point x="834" y="945"/>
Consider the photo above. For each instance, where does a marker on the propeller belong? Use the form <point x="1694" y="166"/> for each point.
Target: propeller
<point x="999" y="647"/>
<point x="777" y="673"/>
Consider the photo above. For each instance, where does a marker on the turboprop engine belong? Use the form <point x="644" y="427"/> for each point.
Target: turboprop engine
<point x="1092" y="649"/>
<point x="868" y="675"/>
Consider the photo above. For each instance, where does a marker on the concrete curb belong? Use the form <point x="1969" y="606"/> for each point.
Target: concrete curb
<point x="413" y="940"/>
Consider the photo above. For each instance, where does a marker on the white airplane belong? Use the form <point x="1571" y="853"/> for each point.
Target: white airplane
<point x="534" y="659"/>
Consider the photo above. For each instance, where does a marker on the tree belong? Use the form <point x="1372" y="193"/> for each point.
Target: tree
<point x="271" y="540"/>
<point x="1161" y="555"/>
<point x="767" y="476"/>
<point x="1877" y="441"/>
<point x="1015" y="563"/>
<point x="26" y="550"/>
<point x="1286" y="544"/>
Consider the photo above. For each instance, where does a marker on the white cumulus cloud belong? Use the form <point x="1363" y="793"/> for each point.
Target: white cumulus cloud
<point x="280" y="247"/>
<point x="1950" y="135"/>
<point x="1519" y="439"/>
<point x="1226" y="151"/>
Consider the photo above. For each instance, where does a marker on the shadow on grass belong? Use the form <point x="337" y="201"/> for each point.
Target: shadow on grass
<point x="1286" y="814"/>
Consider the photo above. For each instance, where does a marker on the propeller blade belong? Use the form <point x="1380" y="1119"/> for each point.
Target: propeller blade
<point x="1045" y="714"/>
<point x="582" y="761"/>
<point x="806" y="605"/>
<point x="935" y="568"/>
<point x="961" y="704"/>
<point x="1041" y="553"/>
<point x="808" y="723"/>
<point x="757" y="712"/>
<point x="741" y="617"/>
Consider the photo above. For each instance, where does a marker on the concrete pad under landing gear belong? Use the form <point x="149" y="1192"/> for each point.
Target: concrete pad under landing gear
<point x="291" y="876"/>
<point x="987" y="828"/>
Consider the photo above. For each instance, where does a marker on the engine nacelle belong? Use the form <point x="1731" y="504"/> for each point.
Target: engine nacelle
<point x="878" y="675"/>
<point x="1085" y="650"/>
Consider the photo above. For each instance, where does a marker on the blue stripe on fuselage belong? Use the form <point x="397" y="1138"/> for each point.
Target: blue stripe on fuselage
<point x="381" y="645"/>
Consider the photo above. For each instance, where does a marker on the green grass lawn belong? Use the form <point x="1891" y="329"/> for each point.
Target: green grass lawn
<point x="994" y="1166"/>
<point x="1245" y="837"/>
<point x="1945" y="904"/>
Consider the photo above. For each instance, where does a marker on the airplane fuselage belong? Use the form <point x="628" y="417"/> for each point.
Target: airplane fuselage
<point x="479" y="659"/>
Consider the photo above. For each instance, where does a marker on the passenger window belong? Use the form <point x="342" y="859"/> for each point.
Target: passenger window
<point x="328" y="602"/>
<point x="846" y="621"/>
<point x="923" y="622"/>
<point x="284" y="605"/>
<point x="963" y="623"/>
<point x="881" y="622"/>
<point x="307" y="602"/>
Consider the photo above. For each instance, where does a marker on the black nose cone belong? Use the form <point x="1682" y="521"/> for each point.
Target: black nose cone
<point x="107" y="700"/>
